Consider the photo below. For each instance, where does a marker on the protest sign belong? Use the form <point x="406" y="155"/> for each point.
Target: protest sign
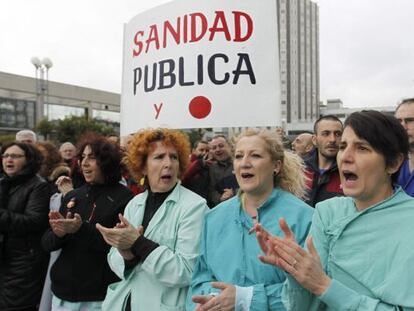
<point x="197" y="64"/>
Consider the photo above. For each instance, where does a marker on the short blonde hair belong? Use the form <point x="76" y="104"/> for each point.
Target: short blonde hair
<point x="140" y="146"/>
<point x="292" y="176"/>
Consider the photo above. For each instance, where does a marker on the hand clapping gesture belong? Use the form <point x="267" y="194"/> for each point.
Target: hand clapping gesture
<point x="61" y="225"/>
<point x="64" y="184"/>
<point x="304" y="265"/>
<point x="122" y="236"/>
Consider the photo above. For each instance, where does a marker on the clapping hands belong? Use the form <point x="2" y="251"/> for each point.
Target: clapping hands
<point x="122" y="236"/>
<point x="63" y="225"/>
<point x="285" y="253"/>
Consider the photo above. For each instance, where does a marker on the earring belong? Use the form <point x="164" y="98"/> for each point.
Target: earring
<point x="142" y="181"/>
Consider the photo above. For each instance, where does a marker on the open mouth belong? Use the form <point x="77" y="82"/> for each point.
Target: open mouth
<point x="246" y="175"/>
<point x="166" y="177"/>
<point x="350" y="176"/>
<point x="87" y="173"/>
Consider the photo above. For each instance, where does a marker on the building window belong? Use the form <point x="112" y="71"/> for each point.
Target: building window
<point x="17" y="113"/>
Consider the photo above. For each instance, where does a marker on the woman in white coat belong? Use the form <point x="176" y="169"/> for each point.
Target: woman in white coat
<point x="155" y="244"/>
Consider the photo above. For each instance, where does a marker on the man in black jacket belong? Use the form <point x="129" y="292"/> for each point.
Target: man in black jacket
<point x="321" y="167"/>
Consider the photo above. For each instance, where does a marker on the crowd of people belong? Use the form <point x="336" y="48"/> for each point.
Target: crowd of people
<point x="233" y="223"/>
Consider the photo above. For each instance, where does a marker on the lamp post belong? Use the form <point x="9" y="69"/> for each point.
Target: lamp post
<point x="42" y="85"/>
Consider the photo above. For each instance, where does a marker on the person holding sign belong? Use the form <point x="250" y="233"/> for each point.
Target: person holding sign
<point x="155" y="243"/>
<point x="228" y="274"/>
<point x="359" y="254"/>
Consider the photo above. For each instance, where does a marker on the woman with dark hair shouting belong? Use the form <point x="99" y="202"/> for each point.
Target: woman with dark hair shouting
<point x="360" y="254"/>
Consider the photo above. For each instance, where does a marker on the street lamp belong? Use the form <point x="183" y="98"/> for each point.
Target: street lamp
<point x="42" y="85"/>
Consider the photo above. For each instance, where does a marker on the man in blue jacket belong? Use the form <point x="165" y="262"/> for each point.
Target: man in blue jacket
<point x="405" y="114"/>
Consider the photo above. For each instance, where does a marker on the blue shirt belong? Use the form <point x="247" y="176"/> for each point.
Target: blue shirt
<point x="406" y="179"/>
<point x="228" y="252"/>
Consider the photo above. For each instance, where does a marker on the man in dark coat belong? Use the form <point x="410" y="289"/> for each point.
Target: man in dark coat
<point x="321" y="168"/>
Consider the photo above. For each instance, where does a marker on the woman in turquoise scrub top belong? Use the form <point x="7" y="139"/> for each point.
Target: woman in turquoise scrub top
<point x="228" y="275"/>
<point x="361" y="254"/>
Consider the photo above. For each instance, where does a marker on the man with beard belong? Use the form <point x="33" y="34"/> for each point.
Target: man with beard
<point x="405" y="114"/>
<point x="321" y="167"/>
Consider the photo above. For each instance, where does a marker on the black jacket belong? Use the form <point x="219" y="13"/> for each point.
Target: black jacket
<point x="81" y="272"/>
<point x="321" y="187"/>
<point x="24" y="208"/>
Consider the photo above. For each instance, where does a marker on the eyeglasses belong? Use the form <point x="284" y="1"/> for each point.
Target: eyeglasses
<point x="12" y="155"/>
<point x="406" y="120"/>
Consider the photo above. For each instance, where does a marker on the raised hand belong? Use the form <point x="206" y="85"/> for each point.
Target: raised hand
<point x="287" y="254"/>
<point x="122" y="236"/>
<point x="61" y="225"/>
<point x="267" y="242"/>
<point x="64" y="184"/>
<point x="304" y="266"/>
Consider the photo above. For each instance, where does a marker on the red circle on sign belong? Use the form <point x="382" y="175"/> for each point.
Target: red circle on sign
<point x="200" y="107"/>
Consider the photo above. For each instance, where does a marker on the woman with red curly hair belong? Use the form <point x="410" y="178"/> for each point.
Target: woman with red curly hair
<point x="155" y="245"/>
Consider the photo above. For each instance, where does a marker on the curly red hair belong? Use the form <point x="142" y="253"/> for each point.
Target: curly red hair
<point x="140" y="146"/>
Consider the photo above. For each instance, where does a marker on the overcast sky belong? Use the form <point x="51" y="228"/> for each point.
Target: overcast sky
<point x="366" y="46"/>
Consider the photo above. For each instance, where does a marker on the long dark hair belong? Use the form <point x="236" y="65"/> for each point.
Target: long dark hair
<point x="108" y="156"/>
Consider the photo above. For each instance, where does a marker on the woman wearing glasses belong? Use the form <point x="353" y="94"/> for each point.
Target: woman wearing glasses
<point x="81" y="273"/>
<point x="24" y="205"/>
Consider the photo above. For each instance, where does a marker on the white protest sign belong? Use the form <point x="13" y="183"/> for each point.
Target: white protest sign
<point x="195" y="64"/>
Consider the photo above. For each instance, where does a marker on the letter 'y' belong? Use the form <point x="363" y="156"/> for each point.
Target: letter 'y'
<point x="157" y="110"/>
